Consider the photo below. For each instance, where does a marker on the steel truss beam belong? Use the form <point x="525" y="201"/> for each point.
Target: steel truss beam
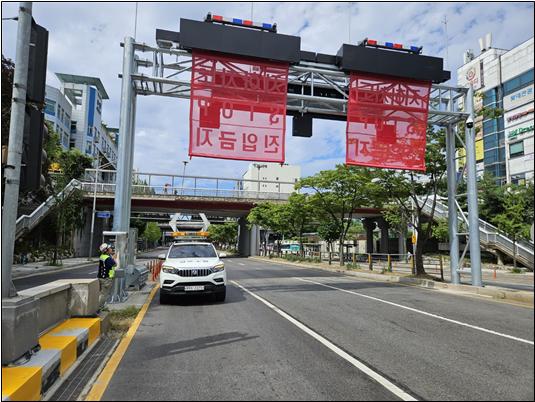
<point x="315" y="88"/>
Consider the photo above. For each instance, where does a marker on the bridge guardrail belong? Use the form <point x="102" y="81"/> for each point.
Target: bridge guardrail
<point x="490" y="236"/>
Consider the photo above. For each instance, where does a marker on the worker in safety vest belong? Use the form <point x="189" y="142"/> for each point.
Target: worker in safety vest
<point x="106" y="272"/>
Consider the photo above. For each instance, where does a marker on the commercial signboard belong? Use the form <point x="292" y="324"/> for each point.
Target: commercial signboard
<point x="518" y="98"/>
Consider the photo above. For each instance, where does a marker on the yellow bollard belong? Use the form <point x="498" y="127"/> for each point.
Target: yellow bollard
<point x="389" y="262"/>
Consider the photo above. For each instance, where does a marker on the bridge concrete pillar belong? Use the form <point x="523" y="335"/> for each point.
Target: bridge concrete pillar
<point x="254" y="240"/>
<point x="402" y="244"/>
<point x="383" y="225"/>
<point x="369" y="225"/>
<point x="82" y="236"/>
<point x="244" y="238"/>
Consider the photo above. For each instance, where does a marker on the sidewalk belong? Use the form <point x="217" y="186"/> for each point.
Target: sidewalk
<point x="34" y="268"/>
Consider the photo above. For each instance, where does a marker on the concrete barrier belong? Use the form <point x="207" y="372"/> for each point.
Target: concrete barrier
<point x="52" y="311"/>
<point x="52" y="303"/>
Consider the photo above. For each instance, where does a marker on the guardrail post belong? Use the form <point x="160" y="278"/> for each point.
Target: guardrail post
<point x="354" y="258"/>
<point x="370" y="261"/>
<point x="389" y="259"/>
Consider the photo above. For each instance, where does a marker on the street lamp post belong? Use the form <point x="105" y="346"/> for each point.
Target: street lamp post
<point x="94" y="206"/>
<point x="183" y="174"/>
<point x="259" y="166"/>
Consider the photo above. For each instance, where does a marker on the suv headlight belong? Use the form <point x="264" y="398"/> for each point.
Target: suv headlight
<point x="169" y="270"/>
<point x="219" y="267"/>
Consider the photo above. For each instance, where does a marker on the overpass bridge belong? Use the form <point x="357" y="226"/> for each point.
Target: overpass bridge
<point x="167" y="193"/>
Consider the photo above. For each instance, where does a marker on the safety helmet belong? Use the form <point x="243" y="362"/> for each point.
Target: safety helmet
<point x="103" y="247"/>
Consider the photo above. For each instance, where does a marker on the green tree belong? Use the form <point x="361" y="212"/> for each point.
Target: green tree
<point x="224" y="235"/>
<point x="337" y="194"/>
<point x="512" y="221"/>
<point x="152" y="232"/>
<point x="409" y="191"/>
<point x="329" y="231"/>
<point x="297" y="214"/>
<point x="67" y="215"/>
<point x="271" y="216"/>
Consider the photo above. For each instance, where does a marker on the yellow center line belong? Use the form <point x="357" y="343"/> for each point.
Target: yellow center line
<point x="105" y="377"/>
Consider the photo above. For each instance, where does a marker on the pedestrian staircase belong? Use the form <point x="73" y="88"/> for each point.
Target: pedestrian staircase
<point x="489" y="235"/>
<point x="26" y="223"/>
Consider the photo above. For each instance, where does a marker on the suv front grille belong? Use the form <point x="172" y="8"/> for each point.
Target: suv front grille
<point x="194" y="272"/>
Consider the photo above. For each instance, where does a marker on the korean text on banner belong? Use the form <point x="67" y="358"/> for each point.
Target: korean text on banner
<point x="387" y="122"/>
<point x="237" y="108"/>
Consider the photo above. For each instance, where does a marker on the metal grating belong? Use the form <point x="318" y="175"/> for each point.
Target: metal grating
<point x="73" y="386"/>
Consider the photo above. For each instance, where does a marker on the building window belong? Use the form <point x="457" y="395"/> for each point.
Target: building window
<point x="519" y="179"/>
<point x="518" y="82"/>
<point x="50" y="107"/>
<point x="88" y="147"/>
<point x="73" y="127"/>
<point x="516" y="149"/>
<point x="99" y="106"/>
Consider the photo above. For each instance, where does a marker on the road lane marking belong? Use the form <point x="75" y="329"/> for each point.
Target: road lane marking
<point x="105" y="377"/>
<point x="422" y="312"/>
<point x="344" y="355"/>
<point x="94" y="272"/>
<point x="241" y="263"/>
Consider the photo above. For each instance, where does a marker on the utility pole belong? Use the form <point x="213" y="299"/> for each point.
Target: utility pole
<point x="94" y="208"/>
<point x="183" y="174"/>
<point x="471" y="193"/>
<point x="16" y="133"/>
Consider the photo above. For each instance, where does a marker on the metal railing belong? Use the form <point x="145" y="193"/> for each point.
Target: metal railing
<point x="25" y="223"/>
<point x="165" y="185"/>
<point x="489" y="235"/>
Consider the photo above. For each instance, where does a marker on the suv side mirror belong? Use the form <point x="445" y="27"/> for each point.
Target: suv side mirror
<point x="222" y="254"/>
<point x="161" y="256"/>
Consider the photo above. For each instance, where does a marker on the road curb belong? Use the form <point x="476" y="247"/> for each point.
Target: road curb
<point x="496" y="293"/>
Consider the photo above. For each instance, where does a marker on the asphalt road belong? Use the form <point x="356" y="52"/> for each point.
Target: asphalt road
<point x="302" y="334"/>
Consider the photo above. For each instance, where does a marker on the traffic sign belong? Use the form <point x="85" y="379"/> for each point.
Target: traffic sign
<point x="414" y="239"/>
<point x="103" y="214"/>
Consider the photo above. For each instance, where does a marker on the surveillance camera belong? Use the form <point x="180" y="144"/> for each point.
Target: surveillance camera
<point x="470" y="122"/>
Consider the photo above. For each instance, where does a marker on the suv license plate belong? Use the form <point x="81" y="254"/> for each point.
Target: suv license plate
<point x="193" y="288"/>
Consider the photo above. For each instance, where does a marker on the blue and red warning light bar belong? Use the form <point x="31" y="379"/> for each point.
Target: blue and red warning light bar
<point x="391" y="46"/>
<point x="241" y="23"/>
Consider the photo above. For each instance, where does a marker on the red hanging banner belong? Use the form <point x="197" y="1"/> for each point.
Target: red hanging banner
<point x="387" y="122"/>
<point x="237" y="108"/>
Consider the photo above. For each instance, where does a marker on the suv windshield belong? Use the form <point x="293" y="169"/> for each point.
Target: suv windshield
<point x="192" y="251"/>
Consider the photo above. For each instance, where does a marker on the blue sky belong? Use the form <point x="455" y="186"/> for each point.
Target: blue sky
<point x="84" y="39"/>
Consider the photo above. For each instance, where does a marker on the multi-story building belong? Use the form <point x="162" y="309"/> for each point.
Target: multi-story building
<point x="58" y="111"/>
<point x="87" y="133"/>
<point x="271" y="172"/>
<point x="503" y="82"/>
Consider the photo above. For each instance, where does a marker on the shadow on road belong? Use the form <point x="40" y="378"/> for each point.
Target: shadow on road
<point x="197" y="344"/>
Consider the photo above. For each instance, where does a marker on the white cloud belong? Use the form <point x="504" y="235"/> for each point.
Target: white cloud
<point x="85" y="37"/>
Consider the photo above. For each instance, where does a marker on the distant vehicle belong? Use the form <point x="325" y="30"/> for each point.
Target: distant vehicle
<point x="192" y="268"/>
<point x="290" y="249"/>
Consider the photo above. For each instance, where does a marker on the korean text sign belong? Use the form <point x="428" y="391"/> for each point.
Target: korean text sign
<point x="237" y="108"/>
<point x="387" y="122"/>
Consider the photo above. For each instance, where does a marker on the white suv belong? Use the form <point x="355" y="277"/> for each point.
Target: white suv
<point x="192" y="268"/>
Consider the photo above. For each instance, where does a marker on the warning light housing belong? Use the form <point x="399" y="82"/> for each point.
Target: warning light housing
<point x="263" y="26"/>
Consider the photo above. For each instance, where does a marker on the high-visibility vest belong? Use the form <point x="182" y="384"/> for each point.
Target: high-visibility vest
<point x="103" y="258"/>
